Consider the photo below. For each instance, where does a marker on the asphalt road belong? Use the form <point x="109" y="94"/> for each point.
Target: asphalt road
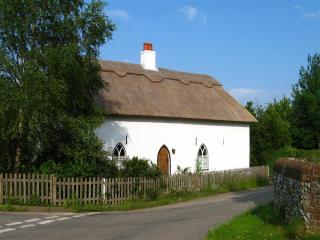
<point x="190" y="220"/>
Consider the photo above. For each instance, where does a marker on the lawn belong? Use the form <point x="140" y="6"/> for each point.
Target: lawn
<point x="262" y="222"/>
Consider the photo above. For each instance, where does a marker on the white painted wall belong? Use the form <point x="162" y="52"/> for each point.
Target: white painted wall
<point x="228" y="143"/>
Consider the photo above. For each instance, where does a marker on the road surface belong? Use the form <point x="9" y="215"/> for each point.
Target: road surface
<point x="189" y="220"/>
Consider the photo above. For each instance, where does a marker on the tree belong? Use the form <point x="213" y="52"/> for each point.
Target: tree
<point x="271" y="132"/>
<point x="306" y="106"/>
<point x="49" y="77"/>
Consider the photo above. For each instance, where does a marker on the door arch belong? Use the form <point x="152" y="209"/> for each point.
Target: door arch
<point x="164" y="160"/>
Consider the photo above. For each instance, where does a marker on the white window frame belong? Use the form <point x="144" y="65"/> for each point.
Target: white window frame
<point x="203" y="158"/>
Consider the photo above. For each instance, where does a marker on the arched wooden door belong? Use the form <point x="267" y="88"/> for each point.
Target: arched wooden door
<point x="163" y="161"/>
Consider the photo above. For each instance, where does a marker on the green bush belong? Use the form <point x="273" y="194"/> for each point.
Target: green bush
<point x="290" y="152"/>
<point x="139" y="168"/>
<point x="134" y="167"/>
<point x="80" y="168"/>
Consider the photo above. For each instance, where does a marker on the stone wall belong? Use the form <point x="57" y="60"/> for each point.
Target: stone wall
<point x="297" y="191"/>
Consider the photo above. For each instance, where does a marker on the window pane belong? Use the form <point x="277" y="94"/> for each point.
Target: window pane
<point x="122" y="152"/>
<point x="205" y="163"/>
<point x="205" y="152"/>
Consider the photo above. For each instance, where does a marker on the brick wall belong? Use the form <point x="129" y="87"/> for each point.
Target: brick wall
<point x="297" y="190"/>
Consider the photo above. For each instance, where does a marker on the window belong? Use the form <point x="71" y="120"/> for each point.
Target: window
<point x="203" y="158"/>
<point x="119" y="154"/>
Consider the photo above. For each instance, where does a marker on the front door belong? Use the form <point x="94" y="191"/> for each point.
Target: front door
<point x="164" y="160"/>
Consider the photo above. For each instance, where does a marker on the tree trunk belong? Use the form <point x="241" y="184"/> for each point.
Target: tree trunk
<point x="17" y="161"/>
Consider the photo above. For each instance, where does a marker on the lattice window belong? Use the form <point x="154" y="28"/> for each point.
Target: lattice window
<point x="119" y="154"/>
<point x="203" y="157"/>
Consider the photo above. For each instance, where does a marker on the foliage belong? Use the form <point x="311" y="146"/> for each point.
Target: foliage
<point x="288" y="122"/>
<point x="98" y="168"/>
<point x="49" y="77"/>
<point x="152" y="194"/>
<point x="136" y="167"/>
<point x="34" y="200"/>
<point x="306" y="106"/>
<point x="181" y="170"/>
<point x="198" y="167"/>
<point x="262" y="222"/>
<point x="271" y="132"/>
<point x="307" y="155"/>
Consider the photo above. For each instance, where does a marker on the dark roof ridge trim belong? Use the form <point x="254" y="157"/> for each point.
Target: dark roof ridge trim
<point x="185" y="82"/>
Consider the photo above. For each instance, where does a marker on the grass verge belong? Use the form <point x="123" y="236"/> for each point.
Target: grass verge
<point x="173" y="197"/>
<point x="262" y="222"/>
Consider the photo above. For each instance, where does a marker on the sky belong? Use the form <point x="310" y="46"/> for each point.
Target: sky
<point x="255" y="48"/>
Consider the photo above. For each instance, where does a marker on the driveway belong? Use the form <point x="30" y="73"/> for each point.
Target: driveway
<point x="189" y="220"/>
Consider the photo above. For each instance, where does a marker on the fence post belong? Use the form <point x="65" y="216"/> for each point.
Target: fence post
<point x="53" y="190"/>
<point x="1" y="188"/>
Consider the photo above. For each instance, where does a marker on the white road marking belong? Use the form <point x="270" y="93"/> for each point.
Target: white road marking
<point x="46" y="222"/>
<point x="7" y="230"/>
<point x="50" y="217"/>
<point x="32" y="220"/>
<point x="14" y="223"/>
<point x="64" y="218"/>
<point x="27" y="226"/>
<point x="78" y="216"/>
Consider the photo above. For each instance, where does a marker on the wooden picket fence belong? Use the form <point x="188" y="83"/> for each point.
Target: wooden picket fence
<point x="49" y="189"/>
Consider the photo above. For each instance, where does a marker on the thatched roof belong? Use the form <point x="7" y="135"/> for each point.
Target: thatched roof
<point x="132" y="91"/>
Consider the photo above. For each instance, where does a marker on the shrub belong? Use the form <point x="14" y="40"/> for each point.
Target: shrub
<point x="139" y="168"/>
<point x="307" y="155"/>
<point x="102" y="168"/>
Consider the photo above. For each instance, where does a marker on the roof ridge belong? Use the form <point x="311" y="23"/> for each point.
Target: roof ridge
<point x="208" y="82"/>
<point x="161" y="79"/>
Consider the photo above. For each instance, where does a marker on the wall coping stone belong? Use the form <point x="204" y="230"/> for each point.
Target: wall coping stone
<point x="298" y="169"/>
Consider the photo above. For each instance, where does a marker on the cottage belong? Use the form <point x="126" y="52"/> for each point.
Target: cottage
<point x="172" y="118"/>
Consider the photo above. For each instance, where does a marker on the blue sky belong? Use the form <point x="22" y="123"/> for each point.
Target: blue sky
<point x="253" y="47"/>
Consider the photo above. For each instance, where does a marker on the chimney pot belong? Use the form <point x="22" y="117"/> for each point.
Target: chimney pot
<point x="147" y="46"/>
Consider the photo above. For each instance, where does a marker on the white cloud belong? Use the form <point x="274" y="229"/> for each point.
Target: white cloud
<point x="192" y="13"/>
<point x="311" y="15"/>
<point x="305" y="14"/>
<point x="117" y="13"/>
<point x="261" y="96"/>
